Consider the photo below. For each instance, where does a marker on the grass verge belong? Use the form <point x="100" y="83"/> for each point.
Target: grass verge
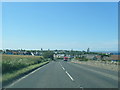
<point x="10" y="77"/>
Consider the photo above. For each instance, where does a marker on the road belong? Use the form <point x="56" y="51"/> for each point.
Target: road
<point x="62" y="74"/>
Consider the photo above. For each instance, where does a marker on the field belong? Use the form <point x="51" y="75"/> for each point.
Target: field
<point x="15" y="65"/>
<point x="11" y="63"/>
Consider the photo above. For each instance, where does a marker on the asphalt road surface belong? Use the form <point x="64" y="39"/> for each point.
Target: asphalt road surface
<point x="62" y="74"/>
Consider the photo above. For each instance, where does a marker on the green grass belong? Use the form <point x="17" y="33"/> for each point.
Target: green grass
<point x="11" y="63"/>
<point x="14" y="66"/>
<point x="6" y="78"/>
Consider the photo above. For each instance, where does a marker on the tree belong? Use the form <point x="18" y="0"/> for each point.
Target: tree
<point x="48" y="54"/>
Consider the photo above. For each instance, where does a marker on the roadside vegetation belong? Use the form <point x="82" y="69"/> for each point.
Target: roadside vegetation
<point x="82" y="58"/>
<point x="12" y="63"/>
<point x="14" y="66"/>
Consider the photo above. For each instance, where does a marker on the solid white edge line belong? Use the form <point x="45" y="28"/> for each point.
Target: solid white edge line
<point x="24" y="77"/>
<point x="69" y="76"/>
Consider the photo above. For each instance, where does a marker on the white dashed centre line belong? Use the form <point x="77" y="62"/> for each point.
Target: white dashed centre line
<point x="67" y="72"/>
<point x="69" y="76"/>
<point x="63" y="68"/>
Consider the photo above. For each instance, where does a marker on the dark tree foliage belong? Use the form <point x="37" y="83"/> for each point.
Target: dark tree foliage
<point x="48" y="54"/>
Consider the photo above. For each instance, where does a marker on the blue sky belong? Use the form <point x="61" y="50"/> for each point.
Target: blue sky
<point x="74" y="25"/>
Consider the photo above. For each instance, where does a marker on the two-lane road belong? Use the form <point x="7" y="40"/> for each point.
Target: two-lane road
<point x="61" y="74"/>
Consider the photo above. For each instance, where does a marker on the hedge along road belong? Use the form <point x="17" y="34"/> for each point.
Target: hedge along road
<point x="62" y="74"/>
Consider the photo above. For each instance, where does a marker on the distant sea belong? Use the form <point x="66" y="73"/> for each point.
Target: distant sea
<point x="114" y="52"/>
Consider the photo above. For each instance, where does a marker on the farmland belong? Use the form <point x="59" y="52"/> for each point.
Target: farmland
<point x="15" y="65"/>
<point x="11" y="63"/>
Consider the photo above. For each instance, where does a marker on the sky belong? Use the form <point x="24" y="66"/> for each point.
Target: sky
<point x="60" y="25"/>
<point x="60" y="0"/>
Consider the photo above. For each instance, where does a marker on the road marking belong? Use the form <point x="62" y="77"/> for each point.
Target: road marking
<point x="61" y="65"/>
<point x="69" y="75"/>
<point x="81" y="87"/>
<point x="67" y="72"/>
<point x="25" y="76"/>
<point x="63" y="68"/>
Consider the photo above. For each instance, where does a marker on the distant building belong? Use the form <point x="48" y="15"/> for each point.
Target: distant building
<point x="41" y="49"/>
<point x="88" y="50"/>
<point x="58" y="56"/>
<point x="1" y="51"/>
<point x="97" y="57"/>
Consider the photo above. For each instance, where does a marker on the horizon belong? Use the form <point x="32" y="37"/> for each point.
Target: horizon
<point x="64" y="25"/>
<point x="60" y="49"/>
